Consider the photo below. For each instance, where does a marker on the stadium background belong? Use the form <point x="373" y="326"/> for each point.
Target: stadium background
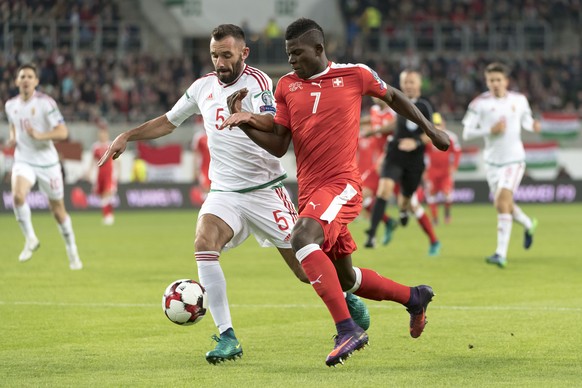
<point x="129" y="61"/>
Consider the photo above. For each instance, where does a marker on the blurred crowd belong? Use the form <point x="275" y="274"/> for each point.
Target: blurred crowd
<point x="139" y="86"/>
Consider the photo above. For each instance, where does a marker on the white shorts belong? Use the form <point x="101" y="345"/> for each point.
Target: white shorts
<point x="269" y="214"/>
<point x="50" y="179"/>
<point x="504" y="177"/>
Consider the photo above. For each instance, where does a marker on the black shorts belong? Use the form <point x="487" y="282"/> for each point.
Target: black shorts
<point x="407" y="173"/>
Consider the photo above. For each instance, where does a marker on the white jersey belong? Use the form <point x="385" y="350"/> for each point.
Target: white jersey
<point x="41" y="113"/>
<point x="236" y="162"/>
<point x="485" y="111"/>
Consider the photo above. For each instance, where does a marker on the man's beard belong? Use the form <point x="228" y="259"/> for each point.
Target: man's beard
<point x="236" y="69"/>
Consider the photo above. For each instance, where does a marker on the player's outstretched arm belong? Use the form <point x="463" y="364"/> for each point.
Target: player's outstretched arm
<point x="158" y="127"/>
<point x="59" y="132"/>
<point x="402" y="105"/>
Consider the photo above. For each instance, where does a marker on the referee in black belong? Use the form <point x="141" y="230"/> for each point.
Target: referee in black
<point x="404" y="161"/>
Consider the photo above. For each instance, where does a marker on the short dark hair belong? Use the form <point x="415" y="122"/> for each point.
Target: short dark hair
<point x="497" y="67"/>
<point x="27" y="66"/>
<point x="224" y="30"/>
<point x="300" y="27"/>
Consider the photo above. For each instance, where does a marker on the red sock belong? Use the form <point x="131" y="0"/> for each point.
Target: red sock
<point x="323" y="277"/>
<point x="376" y="287"/>
<point x="385" y="218"/>
<point x="427" y="227"/>
<point x="107" y="209"/>
<point x="434" y="211"/>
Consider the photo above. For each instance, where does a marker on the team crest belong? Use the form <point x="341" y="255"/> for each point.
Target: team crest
<point x="338" y="82"/>
<point x="33" y="111"/>
<point x="295" y="86"/>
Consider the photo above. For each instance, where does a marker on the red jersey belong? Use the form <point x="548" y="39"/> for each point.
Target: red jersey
<point x="99" y="150"/>
<point x="200" y="146"/>
<point x="439" y="162"/>
<point x="370" y="148"/>
<point x="323" y="114"/>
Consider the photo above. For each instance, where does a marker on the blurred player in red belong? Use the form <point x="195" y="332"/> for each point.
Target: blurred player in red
<point x="105" y="183"/>
<point x="377" y="126"/>
<point x="440" y="172"/>
<point x="201" y="166"/>
<point x="318" y="108"/>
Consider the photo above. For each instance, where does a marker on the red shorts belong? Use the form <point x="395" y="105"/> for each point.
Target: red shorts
<point x="334" y="207"/>
<point x="105" y="184"/>
<point x="370" y="179"/>
<point x="443" y="183"/>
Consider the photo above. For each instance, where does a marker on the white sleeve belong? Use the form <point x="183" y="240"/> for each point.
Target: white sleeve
<point x="526" y="117"/>
<point x="53" y="114"/>
<point x="262" y="101"/>
<point x="184" y="108"/>
<point x="471" y="126"/>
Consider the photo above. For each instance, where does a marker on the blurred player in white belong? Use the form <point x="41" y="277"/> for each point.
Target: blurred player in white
<point x="246" y="193"/>
<point x="35" y="121"/>
<point x="498" y="116"/>
<point x="105" y="178"/>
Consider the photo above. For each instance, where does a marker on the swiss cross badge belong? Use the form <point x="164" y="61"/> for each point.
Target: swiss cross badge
<point x="338" y="82"/>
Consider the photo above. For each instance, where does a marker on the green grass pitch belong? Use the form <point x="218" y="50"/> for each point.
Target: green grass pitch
<point x="104" y="326"/>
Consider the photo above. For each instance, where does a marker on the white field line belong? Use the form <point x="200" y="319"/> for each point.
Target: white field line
<point x="293" y="306"/>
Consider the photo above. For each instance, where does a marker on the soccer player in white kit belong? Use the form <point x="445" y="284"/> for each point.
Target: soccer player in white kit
<point x="35" y="121"/>
<point x="247" y="195"/>
<point x="498" y="116"/>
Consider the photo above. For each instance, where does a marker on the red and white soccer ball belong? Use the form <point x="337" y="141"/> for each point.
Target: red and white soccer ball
<point x="184" y="302"/>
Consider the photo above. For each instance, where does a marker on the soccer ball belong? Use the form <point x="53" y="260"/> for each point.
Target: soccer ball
<point x="184" y="302"/>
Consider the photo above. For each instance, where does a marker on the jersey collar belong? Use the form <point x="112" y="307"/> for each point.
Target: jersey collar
<point x="323" y="72"/>
<point x="235" y="81"/>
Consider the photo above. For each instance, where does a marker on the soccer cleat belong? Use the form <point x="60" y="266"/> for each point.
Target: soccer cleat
<point x="528" y="235"/>
<point x="358" y="311"/>
<point x="370" y="240"/>
<point x="418" y="311"/>
<point x="434" y="249"/>
<point x="496" y="259"/>
<point x="403" y="217"/>
<point x="30" y="245"/>
<point x="75" y="263"/>
<point x="345" y="344"/>
<point x="390" y="226"/>
<point x="227" y="348"/>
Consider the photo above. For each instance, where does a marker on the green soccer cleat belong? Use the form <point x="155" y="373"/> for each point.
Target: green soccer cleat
<point x="497" y="260"/>
<point x="358" y="311"/>
<point x="390" y="226"/>
<point x="227" y="348"/>
<point x="434" y="249"/>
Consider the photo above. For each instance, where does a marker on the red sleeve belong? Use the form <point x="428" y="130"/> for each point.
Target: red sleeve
<point x="282" y="115"/>
<point x="372" y="84"/>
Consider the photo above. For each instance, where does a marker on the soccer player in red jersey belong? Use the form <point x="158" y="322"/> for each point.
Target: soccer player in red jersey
<point x="105" y="184"/>
<point x="440" y="172"/>
<point x="201" y="160"/>
<point x="377" y="126"/>
<point x="318" y="108"/>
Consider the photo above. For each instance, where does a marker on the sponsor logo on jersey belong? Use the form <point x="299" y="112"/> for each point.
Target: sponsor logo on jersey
<point x="32" y="112"/>
<point x="338" y="82"/>
<point x="268" y="108"/>
<point x="318" y="84"/>
<point x="295" y="86"/>
<point x="380" y="82"/>
<point x="210" y="97"/>
<point x="267" y="98"/>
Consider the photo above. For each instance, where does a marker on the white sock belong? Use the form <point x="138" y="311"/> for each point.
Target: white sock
<point x="504" y="223"/>
<point x="212" y="279"/>
<point x="24" y="219"/>
<point x="66" y="229"/>
<point x="521" y="218"/>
